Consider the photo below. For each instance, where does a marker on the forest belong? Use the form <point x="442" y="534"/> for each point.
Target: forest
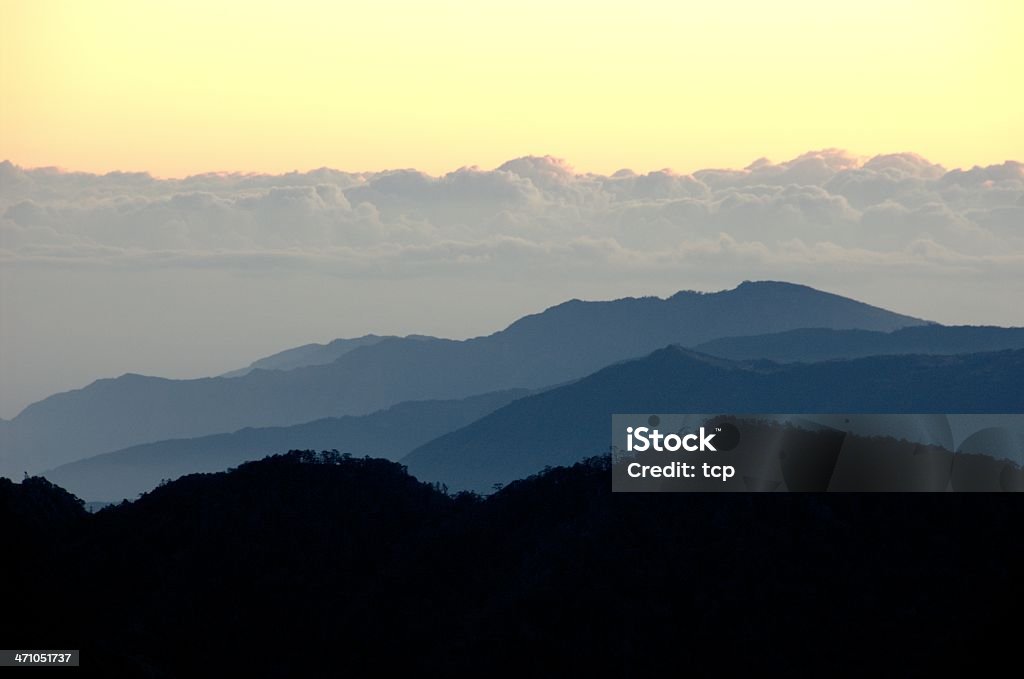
<point x="305" y="561"/>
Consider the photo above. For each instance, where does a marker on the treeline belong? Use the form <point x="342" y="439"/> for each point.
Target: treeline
<point x="316" y="563"/>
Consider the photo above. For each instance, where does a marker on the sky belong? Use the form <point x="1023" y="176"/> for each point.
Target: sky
<point x="178" y="88"/>
<point x="188" y="186"/>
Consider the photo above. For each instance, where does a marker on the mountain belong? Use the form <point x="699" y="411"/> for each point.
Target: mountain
<point x="554" y="575"/>
<point x="820" y="344"/>
<point x="566" y="424"/>
<point x="388" y="434"/>
<point x="563" y="343"/>
<point x="310" y="354"/>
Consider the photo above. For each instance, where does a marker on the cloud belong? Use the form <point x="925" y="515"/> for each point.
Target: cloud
<point x="821" y="210"/>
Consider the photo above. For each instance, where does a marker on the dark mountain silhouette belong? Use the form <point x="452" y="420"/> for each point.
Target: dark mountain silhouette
<point x="562" y="425"/>
<point x="310" y="354"/>
<point x="820" y="344"/>
<point x="565" y="342"/>
<point x="307" y="564"/>
<point x="388" y="434"/>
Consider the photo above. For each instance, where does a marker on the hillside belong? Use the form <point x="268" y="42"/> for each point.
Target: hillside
<point x="566" y="424"/>
<point x="388" y="434"/>
<point x="293" y="563"/>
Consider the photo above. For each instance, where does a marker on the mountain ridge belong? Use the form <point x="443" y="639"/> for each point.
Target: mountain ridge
<point x="562" y="343"/>
<point x="388" y="434"/>
<point x="314" y="353"/>
<point x="818" y="344"/>
<point x="565" y="424"/>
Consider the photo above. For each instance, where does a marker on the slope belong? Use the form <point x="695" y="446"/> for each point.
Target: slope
<point x="388" y="434"/>
<point x="571" y="422"/>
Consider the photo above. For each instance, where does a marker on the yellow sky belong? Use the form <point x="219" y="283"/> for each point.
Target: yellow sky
<point x="191" y="86"/>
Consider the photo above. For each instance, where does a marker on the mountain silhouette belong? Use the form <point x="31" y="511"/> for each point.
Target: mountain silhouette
<point x="308" y="354"/>
<point x="562" y="425"/>
<point x="820" y="344"/>
<point x="562" y="343"/>
<point x="302" y="562"/>
<point x="388" y="434"/>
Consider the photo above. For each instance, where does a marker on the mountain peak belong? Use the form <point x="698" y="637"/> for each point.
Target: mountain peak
<point x="774" y="285"/>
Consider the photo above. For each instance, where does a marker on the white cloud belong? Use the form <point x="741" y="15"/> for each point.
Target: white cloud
<point x="880" y="204"/>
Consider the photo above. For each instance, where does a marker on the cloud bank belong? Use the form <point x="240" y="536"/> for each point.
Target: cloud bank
<point x="824" y="208"/>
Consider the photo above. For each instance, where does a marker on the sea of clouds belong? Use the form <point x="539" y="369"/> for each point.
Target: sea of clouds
<point x="822" y="209"/>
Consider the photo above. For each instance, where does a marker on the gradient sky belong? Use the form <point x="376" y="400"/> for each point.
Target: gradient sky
<point x="177" y="88"/>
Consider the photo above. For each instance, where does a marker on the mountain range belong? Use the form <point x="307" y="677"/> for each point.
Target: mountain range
<point x="378" y="554"/>
<point x="563" y="343"/>
<point x="566" y="424"/>
<point x="389" y="434"/>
